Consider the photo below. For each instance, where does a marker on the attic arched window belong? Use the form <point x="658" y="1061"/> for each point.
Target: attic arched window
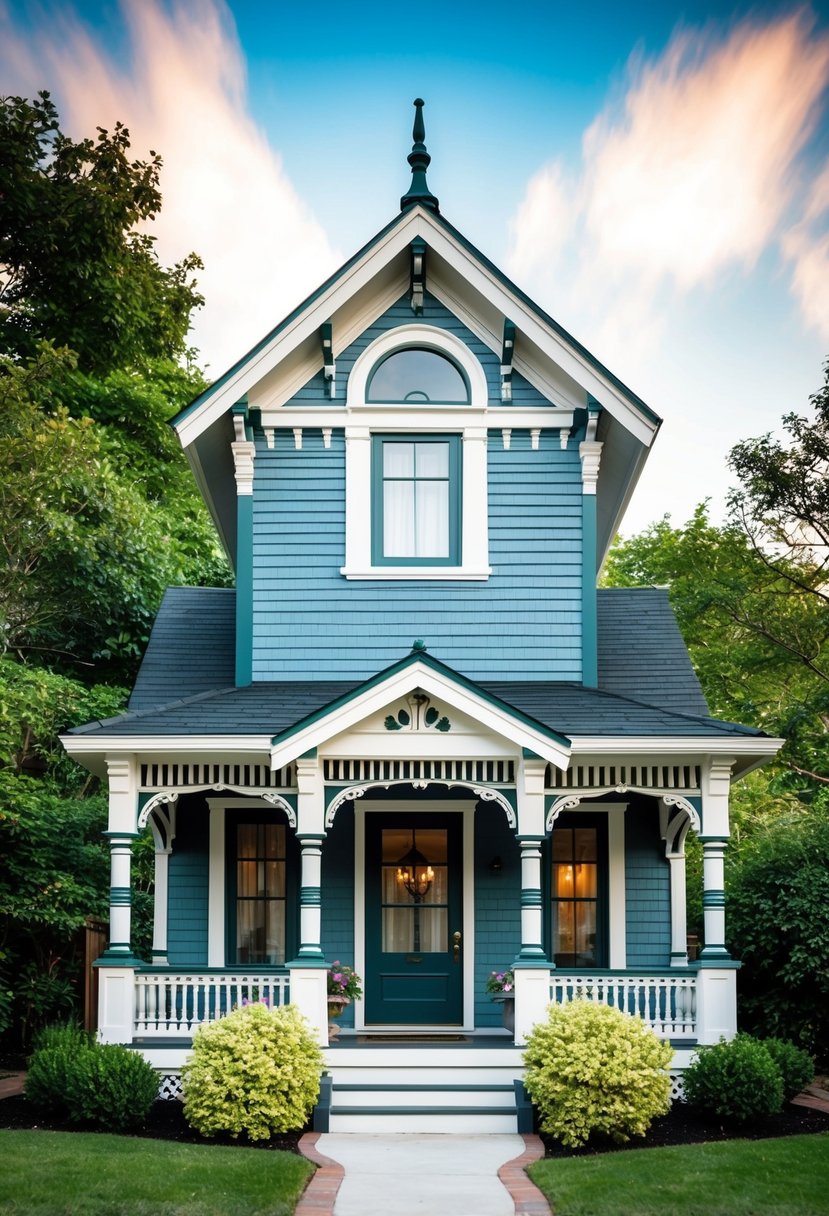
<point x="416" y="374"/>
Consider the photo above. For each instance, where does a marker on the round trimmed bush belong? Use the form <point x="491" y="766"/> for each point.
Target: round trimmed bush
<point x="797" y="1068"/>
<point x="591" y="1068"/>
<point x="737" y="1081"/>
<point x="102" y="1085"/>
<point x="255" y="1072"/>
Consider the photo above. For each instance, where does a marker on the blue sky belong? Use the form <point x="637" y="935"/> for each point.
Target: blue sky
<point x="656" y="176"/>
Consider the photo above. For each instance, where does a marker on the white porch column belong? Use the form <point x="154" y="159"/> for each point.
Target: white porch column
<point x="679" y="917"/>
<point x="309" y="970"/>
<point x="121" y="831"/>
<point x="531" y="967"/>
<point x="116" y="991"/>
<point x="717" y="975"/>
<point x="714" y="837"/>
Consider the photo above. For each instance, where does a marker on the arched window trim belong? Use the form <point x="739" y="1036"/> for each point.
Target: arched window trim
<point x="427" y="337"/>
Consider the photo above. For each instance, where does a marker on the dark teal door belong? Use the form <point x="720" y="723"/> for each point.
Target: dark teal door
<point x="414" y="930"/>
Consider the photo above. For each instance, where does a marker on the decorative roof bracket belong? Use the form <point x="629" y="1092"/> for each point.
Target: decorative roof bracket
<point x="243" y="448"/>
<point x="507" y="353"/>
<point x="330" y="367"/>
<point x="418" y="275"/>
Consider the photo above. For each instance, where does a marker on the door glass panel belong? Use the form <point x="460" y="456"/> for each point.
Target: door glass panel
<point x="414" y="887"/>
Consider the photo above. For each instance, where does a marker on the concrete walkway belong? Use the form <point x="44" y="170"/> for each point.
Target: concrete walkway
<point x="434" y="1175"/>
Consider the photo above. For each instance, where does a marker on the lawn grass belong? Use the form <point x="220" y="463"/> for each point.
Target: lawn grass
<point x="784" y="1177"/>
<point x="72" y="1174"/>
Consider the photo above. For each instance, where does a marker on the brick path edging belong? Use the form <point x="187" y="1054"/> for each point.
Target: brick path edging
<point x="528" y="1199"/>
<point x="321" y="1192"/>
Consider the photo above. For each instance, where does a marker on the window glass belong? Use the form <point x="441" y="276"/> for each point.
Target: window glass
<point x="260" y="892"/>
<point x="575" y="896"/>
<point x="416" y="374"/>
<point x="416" y="489"/>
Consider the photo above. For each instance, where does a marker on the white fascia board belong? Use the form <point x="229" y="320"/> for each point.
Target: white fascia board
<point x="83" y="746"/>
<point x="525" y="319"/>
<point x="549" y="386"/>
<point x="671" y="745"/>
<point x="346" y="331"/>
<point x="256" y="366"/>
<point x="376" y="698"/>
<point x="438" y="418"/>
<point x="416" y="222"/>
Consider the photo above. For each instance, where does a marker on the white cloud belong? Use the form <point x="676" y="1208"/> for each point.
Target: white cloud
<point x="695" y="171"/>
<point x="226" y="194"/>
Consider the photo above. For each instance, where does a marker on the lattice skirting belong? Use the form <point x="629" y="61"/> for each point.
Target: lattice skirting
<point x="169" y="1087"/>
<point x="677" y="1087"/>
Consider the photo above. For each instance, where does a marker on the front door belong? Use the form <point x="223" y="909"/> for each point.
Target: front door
<point x="414" y="930"/>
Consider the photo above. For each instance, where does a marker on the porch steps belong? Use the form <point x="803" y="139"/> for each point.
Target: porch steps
<point x="412" y="1088"/>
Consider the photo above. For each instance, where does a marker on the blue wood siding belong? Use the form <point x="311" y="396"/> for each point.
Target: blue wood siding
<point x="497" y="907"/>
<point x="188" y="885"/>
<point x="311" y="623"/>
<point x="647" y="888"/>
<point x="337" y="933"/>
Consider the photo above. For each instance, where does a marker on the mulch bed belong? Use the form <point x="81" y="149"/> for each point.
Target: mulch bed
<point x="166" y="1122"/>
<point x="681" y="1126"/>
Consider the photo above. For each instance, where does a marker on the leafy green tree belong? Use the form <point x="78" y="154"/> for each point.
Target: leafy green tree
<point x="95" y="523"/>
<point x="76" y="266"/>
<point x="778" y="894"/>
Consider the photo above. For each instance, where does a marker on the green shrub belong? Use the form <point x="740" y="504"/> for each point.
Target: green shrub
<point x="737" y="1081"/>
<point x="255" y="1072"/>
<point x="100" y="1085"/>
<point x="50" y="1078"/>
<point x="796" y="1066"/>
<point x="591" y="1069"/>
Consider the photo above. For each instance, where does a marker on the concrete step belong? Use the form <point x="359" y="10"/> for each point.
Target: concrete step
<point x="464" y="1120"/>
<point x="470" y="1097"/>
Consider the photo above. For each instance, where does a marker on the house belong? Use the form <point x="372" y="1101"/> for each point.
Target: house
<point x="416" y="739"/>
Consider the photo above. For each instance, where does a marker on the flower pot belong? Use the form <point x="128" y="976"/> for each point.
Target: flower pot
<point x="507" y="1002"/>
<point x="336" y="1005"/>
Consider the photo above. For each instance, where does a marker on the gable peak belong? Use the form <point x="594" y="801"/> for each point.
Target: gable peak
<point x="419" y="159"/>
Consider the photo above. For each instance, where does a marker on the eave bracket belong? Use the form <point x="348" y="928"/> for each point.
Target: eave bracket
<point x="507" y="352"/>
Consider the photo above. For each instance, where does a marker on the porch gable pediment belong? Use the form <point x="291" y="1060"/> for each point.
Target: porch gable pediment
<point x="422" y="701"/>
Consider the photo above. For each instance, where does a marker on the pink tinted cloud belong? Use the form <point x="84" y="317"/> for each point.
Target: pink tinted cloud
<point x="226" y="194"/>
<point x="697" y="170"/>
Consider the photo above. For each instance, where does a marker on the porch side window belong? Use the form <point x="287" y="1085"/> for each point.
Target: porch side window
<point x="260" y="898"/>
<point x="577" y="885"/>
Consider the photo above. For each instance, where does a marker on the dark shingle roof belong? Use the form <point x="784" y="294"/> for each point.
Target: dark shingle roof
<point x="647" y="684"/>
<point x="641" y="652"/>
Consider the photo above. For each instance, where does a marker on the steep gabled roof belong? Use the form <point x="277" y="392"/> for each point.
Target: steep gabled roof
<point x="473" y="288"/>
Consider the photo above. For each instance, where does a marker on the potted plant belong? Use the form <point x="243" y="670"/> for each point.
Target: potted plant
<point x="343" y="987"/>
<point x="501" y="987"/>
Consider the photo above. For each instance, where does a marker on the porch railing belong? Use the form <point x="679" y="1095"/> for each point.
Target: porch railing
<point x="172" y="1002"/>
<point x="667" y="1003"/>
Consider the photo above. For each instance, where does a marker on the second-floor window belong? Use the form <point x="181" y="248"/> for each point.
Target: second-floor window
<point x="416" y="500"/>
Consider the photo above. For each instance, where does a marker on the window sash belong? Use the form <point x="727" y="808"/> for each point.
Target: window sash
<point x="416" y="500"/>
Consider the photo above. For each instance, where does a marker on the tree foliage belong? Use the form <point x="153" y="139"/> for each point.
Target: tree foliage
<point x="76" y="268"/>
<point x="99" y="514"/>
<point x="778" y="894"/>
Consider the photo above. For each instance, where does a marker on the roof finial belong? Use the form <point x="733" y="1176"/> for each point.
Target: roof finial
<point x="419" y="159"/>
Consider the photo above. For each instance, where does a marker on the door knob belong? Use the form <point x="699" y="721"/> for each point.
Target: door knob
<point x="456" y="948"/>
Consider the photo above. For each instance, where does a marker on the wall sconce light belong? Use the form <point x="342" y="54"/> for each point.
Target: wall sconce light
<point x="496" y="865"/>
